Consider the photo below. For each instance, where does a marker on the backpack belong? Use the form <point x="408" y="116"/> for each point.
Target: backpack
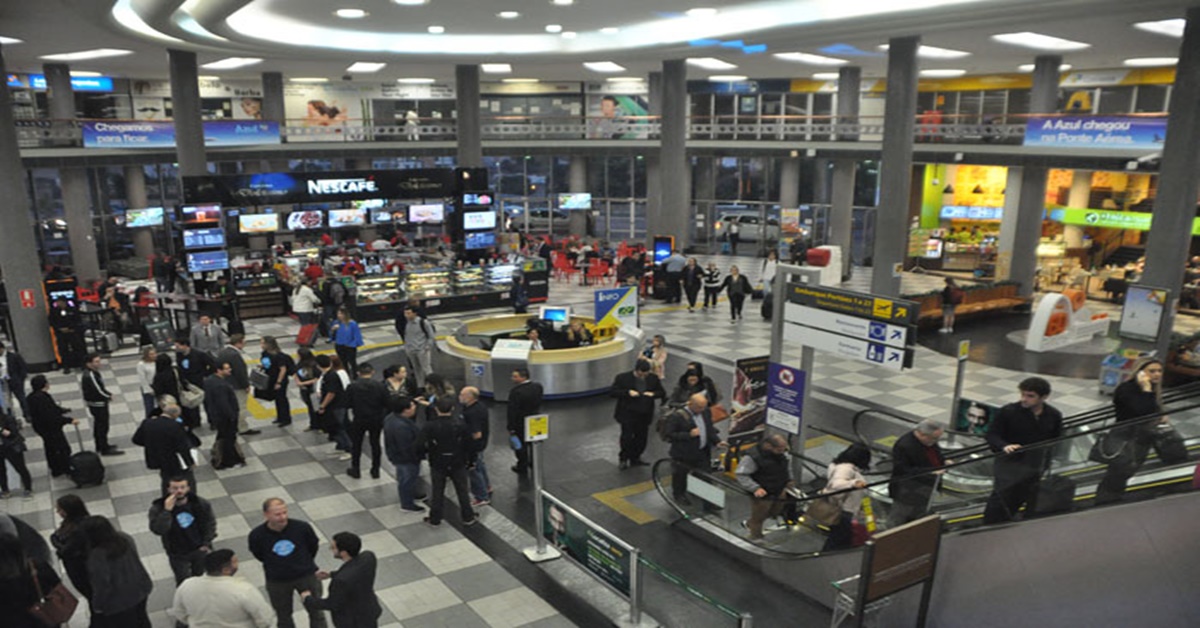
<point x="956" y="296"/>
<point x="663" y="425"/>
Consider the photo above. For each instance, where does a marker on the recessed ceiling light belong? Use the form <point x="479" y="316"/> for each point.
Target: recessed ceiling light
<point x="415" y="81"/>
<point x="942" y="73"/>
<point x="231" y="63"/>
<point x="727" y="78"/>
<point x="365" y="66"/>
<point x="701" y="12"/>
<point x="519" y="80"/>
<point x="804" y="57"/>
<point x="625" y="79"/>
<point x="496" y="68"/>
<point x="1142" y="62"/>
<point x="562" y="3"/>
<point x="1171" y="28"/>
<point x="1028" y="67"/>
<point x="97" y="53"/>
<point x="410" y="3"/>
<point x="350" y="14"/>
<point x="603" y="66"/>
<point x="710" y="63"/>
<point x="208" y="77"/>
<point x="826" y="76"/>
<point x="569" y="35"/>
<point x="84" y="73"/>
<point x="1038" y="41"/>
<point x="554" y="28"/>
<point x="609" y="30"/>
<point x="933" y="52"/>
<point x="508" y="15"/>
<point x="309" y="79"/>
<point x="436" y="30"/>
<point x="8" y="41"/>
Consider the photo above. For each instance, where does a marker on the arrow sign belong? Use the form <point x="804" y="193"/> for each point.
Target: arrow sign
<point x="899" y="336"/>
<point x="852" y="348"/>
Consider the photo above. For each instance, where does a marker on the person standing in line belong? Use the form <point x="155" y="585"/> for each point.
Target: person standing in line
<point x="120" y="584"/>
<point x="48" y="420"/>
<point x="400" y="381"/>
<point x="306" y="378"/>
<point x="220" y="597"/>
<point x="69" y="542"/>
<point x="12" y="452"/>
<point x="712" y="284"/>
<point x="287" y="549"/>
<point x="657" y="355"/>
<point x="1136" y="398"/>
<point x="167" y="445"/>
<point x="1017" y="427"/>
<point x="279" y="367"/>
<point x="14" y="371"/>
<point x="766" y="471"/>
<point x="207" y="336"/>
<point x="695" y="381"/>
<point x="333" y="298"/>
<point x="97" y="398"/>
<point x="770" y="266"/>
<point x="673" y="267"/>
<point x="194" y="366"/>
<point x="735" y="235"/>
<point x="347" y="338"/>
<point x="692" y="435"/>
<point x="737" y="287"/>
<point x="916" y="457"/>
<point x="636" y="393"/>
<point x="351" y="600"/>
<point x="446" y="444"/>
<point x="475" y="416"/>
<point x="400" y="435"/>
<point x="952" y="295"/>
<point x="693" y="278"/>
<point x="220" y="402"/>
<point x="166" y="382"/>
<point x="332" y="403"/>
<point x="146" y="368"/>
<point x="524" y="399"/>
<point x="846" y="472"/>
<point x="187" y="526"/>
<point x="305" y="302"/>
<point x="419" y="339"/>
<point x="234" y="354"/>
<point x="368" y="407"/>
<point x="68" y="335"/>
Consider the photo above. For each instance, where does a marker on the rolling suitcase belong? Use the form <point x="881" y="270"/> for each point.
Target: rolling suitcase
<point x="768" y="306"/>
<point x="307" y="335"/>
<point x="86" y="467"/>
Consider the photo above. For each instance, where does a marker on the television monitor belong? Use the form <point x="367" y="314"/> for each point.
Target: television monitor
<point x="426" y="214"/>
<point x="479" y="240"/>
<point x="203" y="238"/>
<point x="474" y="221"/>
<point x="68" y="295"/>
<point x="191" y="214"/>
<point x="368" y="204"/>
<point x="258" y="223"/>
<point x="556" y="315"/>
<point x="308" y="219"/>
<point x="205" y="261"/>
<point x="400" y="216"/>
<point x="582" y="200"/>
<point x="476" y="200"/>
<point x="663" y="245"/>
<point x="347" y="218"/>
<point x="1142" y="312"/>
<point x="381" y="218"/>
<point x="933" y="248"/>
<point x="148" y="217"/>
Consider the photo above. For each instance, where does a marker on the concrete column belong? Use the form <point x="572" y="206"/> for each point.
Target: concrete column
<point x="76" y="191"/>
<point x="704" y="189"/>
<point x="849" y="97"/>
<point x="674" y="182"/>
<point x="135" y="195"/>
<point x="1081" y="191"/>
<point x="185" y="99"/>
<point x="470" y="132"/>
<point x="60" y="95"/>
<point x="1175" y="203"/>
<point x="789" y="182"/>
<point x="653" y="173"/>
<point x="272" y="104"/>
<point x="577" y="175"/>
<point x="895" y="179"/>
<point x="19" y="256"/>
<point x="841" y="211"/>
<point x="1007" y="242"/>
<point x="1031" y="201"/>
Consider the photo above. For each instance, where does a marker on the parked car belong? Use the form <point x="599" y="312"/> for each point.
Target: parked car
<point x="750" y="227"/>
<point x="538" y="218"/>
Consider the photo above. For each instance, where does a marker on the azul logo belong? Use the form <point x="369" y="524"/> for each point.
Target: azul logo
<point x="341" y="186"/>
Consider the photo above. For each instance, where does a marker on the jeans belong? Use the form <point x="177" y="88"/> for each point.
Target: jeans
<point x="283" y="408"/>
<point x="338" y="429"/>
<point x="710" y="296"/>
<point x="407" y="475"/>
<point x="280" y="594"/>
<point x="480" y="483"/>
<point x="185" y="566"/>
<point x="437" y="499"/>
<point x="1005" y="501"/>
<point x="348" y="356"/>
<point x="735" y="305"/>
<point x="634" y="431"/>
<point x="149" y="403"/>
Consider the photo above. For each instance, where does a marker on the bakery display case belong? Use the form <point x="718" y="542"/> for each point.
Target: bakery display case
<point x="380" y="289"/>
<point x="500" y="276"/>
<point x="428" y="284"/>
<point x="468" y="280"/>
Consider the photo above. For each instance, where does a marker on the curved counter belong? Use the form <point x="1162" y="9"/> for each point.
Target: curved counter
<point x="563" y="373"/>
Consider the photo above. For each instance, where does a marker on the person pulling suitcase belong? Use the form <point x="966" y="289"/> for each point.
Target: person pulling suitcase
<point x="97" y="398"/>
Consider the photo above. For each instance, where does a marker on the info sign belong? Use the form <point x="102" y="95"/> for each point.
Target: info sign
<point x="785" y="397"/>
<point x="601" y="554"/>
<point x="896" y="311"/>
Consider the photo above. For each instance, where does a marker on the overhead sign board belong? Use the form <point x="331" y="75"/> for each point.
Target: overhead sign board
<point x="1134" y="132"/>
<point x="853" y="348"/>
<point x="900" y="336"/>
<point x="1108" y="219"/>
<point x="785" y="397"/>
<point x="616" y="307"/>
<point x="896" y="311"/>
<point x="159" y="134"/>
<point x="272" y="188"/>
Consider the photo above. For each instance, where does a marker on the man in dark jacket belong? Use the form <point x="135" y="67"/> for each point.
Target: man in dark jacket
<point x="187" y="526"/>
<point x="636" y="393"/>
<point x="195" y="366"/>
<point x="167" y="446"/>
<point x="368" y="406"/>
<point x="49" y="419"/>
<point x="766" y="471"/>
<point x="15" y="371"/>
<point x="445" y="442"/>
<point x="234" y="354"/>
<point x="692" y="435"/>
<point x="475" y="416"/>
<point x="220" y="402"/>
<point x="1018" y="473"/>
<point x="351" y="601"/>
<point x="287" y="549"/>
<point x="97" y="398"/>
<point x="524" y="399"/>
<point x="915" y="454"/>
<point x="400" y="435"/>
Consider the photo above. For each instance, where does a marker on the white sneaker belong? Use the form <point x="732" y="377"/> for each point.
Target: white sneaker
<point x="944" y="330"/>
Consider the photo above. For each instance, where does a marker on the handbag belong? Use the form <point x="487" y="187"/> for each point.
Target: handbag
<point x="1169" y="445"/>
<point x="189" y="395"/>
<point x="56" y="606"/>
<point x="259" y="378"/>
<point x="1104" y="452"/>
<point x="826" y="510"/>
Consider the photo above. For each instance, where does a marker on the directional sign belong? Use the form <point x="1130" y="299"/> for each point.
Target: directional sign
<point x="895" y="311"/>
<point x="899" y="336"/>
<point x="847" y="347"/>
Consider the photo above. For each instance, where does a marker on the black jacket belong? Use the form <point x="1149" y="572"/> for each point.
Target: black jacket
<point x="18" y="370"/>
<point x="739" y="286"/>
<point x="523" y="400"/>
<point x="1015" y="424"/>
<point x="167" y="383"/>
<point x="185" y="528"/>
<point x="368" y="400"/>
<point x="221" y="405"/>
<point x="195" y="366"/>
<point x="693" y="277"/>
<point x="910" y="457"/>
<point x="475" y="416"/>
<point x="640" y="406"/>
<point x="165" y="442"/>
<point x="19" y="593"/>
<point x="351" y="600"/>
<point x="94" y="392"/>
<point x="445" y="442"/>
<point x="400" y="440"/>
<point x="240" y="377"/>
<point x="48" y="418"/>
<point x="685" y="447"/>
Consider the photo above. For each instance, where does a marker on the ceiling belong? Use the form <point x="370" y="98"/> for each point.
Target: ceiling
<point x="303" y="38"/>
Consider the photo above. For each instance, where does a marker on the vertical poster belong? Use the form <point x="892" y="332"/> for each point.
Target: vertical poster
<point x="748" y="400"/>
<point x="590" y="547"/>
<point x="785" y="397"/>
<point x="616" y="307"/>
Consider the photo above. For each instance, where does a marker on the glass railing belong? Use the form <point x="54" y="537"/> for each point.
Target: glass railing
<point x="1069" y="482"/>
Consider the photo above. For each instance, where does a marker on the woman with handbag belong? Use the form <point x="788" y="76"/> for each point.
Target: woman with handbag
<point x="12" y="451"/>
<point x="69" y="542"/>
<point x="846" y="472"/>
<point x="24" y="582"/>
<point x="306" y="377"/>
<point x="120" y="583"/>
<point x="279" y="367"/>
<point x="1124" y="449"/>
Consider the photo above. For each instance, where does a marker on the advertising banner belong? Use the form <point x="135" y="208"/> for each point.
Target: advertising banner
<point x="605" y="557"/>
<point x="1096" y="132"/>
<point x="785" y="397"/>
<point x="974" y="417"/>
<point x="161" y="134"/>
<point x="617" y="307"/>
<point x="789" y="222"/>
<point x="1106" y="219"/>
<point x="748" y="401"/>
<point x="617" y="116"/>
<point x="318" y="187"/>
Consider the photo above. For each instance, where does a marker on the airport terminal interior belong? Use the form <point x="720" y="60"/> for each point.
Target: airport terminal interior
<point x="943" y="318"/>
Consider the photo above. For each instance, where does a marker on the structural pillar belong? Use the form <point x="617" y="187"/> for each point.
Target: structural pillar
<point x="841" y="211"/>
<point x="1081" y="191"/>
<point x="653" y="159"/>
<point x="135" y="195"/>
<point x="789" y="182"/>
<point x="470" y="131"/>
<point x="273" y="110"/>
<point x="895" y="177"/>
<point x="19" y="256"/>
<point x="1031" y="202"/>
<point x="76" y="191"/>
<point x="578" y="221"/>
<point x="1175" y="203"/>
<point x="674" y="180"/>
<point x="185" y="99"/>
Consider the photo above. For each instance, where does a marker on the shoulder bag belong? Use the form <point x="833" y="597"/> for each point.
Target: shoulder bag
<point x="1168" y="444"/>
<point x="189" y="396"/>
<point x="56" y="606"/>
<point x="826" y="509"/>
<point x="1109" y="450"/>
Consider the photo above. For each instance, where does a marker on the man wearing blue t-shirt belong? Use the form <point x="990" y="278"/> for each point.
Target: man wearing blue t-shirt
<point x="287" y="550"/>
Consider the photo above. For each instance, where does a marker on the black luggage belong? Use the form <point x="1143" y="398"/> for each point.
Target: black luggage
<point x="86" y="467"/>
<point x="236" y="327"/>
<point x="1055" y="494"/>
<point x="768" y="306"/>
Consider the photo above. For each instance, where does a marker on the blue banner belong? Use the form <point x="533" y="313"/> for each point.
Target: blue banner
<point x="161" y="134"/>
<point x="785" y="397"/>
<point x="616" y="307"/>
<point x="1096" y="132"/>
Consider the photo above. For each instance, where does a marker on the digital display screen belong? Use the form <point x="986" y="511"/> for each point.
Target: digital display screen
<point x="381" y="218"/>
<point x="480" y="240"/>
<point x="476" y="200"/>
<point x="433" y="213"/>
<point x="555" y="314"/>
<point x="299" y="221"/>
<point x="148" y="217"/>
<point x="347" y="218"/>
<point x="68" y="295"/>
<point x="258" y="223"/>
<point x="203" y="238"/>
<point x="575" y="201"/>
<point x="400" y="216"/>
<point x="371" y="203"/>
<point x="473" y="221"/>
<point x="207" y="260"/>
<point x="201" y="213"/>
<point x="662" y="248"/>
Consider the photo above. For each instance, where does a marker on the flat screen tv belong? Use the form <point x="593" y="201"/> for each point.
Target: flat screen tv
<point x="476" y="200"/>
<point x="581" y="200"/>
<point x="205" y="261"/>
<point x="554" y="314"/>
<point x="303" y="220"/>
<point x="347" y="218"/>
<point x="475" y="221"/>
<point x="381" y="217"/>
<point x="203" y="238"/>
<point x="258" y="223"/>
<point x="479" y="240"/>
<point x="148" y="217"/>
<point x="426" y="214"/>
<point x="192" y="214"/>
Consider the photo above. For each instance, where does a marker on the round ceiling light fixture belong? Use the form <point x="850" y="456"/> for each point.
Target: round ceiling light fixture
<point x="436" y="30"/>
<point x="508" y="15"/>
<point x="554" y="28"/>
<point x="410" y="3"/>
<point x="562" y="3"/>
<point x="351" y="14"/>
<point x="609" y="30"/>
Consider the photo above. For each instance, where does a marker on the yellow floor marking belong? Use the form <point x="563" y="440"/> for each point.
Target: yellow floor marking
<point x="615" y="499"/>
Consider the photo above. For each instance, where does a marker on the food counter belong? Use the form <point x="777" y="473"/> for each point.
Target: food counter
<point x="438" y="289"/>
